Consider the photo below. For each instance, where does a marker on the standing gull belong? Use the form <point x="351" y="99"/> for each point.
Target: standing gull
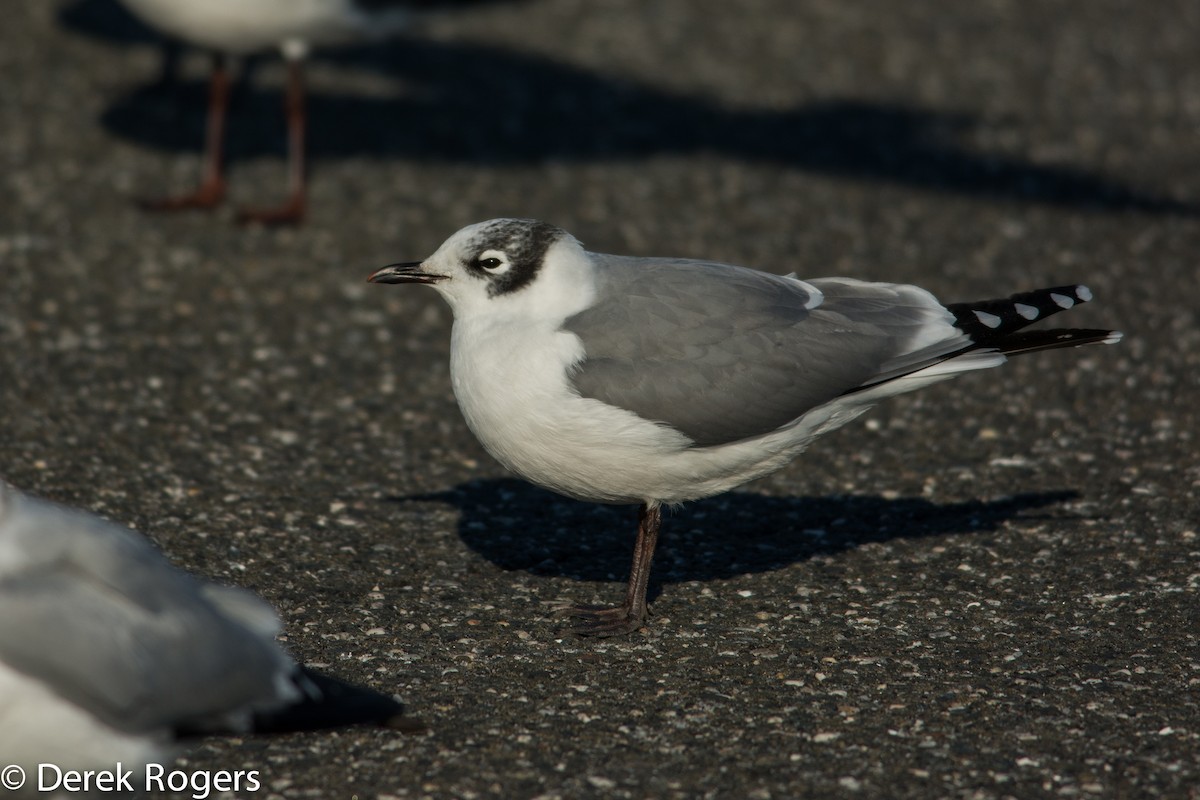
<point x="242" y="27"/>
<point x="110" y="654"/>
<point x="655" y="381"/>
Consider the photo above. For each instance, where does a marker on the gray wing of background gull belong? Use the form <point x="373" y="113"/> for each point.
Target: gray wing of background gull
<point x="96" y="613"/>
<point x="725" y="353"/>
<point x="93" y="611"/>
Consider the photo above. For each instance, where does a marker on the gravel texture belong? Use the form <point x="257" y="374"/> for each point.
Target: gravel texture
<point x="985" y="590"/>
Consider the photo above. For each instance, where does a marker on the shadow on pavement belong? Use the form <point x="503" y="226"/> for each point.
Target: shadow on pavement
<point x="464" y="102"/>
<point x="520" y="527"/>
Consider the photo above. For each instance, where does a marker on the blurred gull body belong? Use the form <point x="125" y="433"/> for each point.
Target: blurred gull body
<point x="242" y="27"/>
<point x="109" y="653"/>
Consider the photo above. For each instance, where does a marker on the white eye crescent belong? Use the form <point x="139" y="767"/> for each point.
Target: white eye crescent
<point x="494" y="262"/>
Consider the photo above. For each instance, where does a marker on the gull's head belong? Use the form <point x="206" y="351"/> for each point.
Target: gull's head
<point x="519" y="264"/>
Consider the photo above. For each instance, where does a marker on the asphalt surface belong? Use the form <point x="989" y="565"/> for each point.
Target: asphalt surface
<point x="985" y="590"/>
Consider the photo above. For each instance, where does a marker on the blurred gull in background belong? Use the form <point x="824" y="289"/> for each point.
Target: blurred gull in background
<point x="109" y="653"/>
<point x="243" y="27"/>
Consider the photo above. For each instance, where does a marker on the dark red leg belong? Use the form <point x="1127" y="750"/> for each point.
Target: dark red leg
<point x="211" y="190"/>
<point x="629" y="616"/>
<point x="292" y="210"/>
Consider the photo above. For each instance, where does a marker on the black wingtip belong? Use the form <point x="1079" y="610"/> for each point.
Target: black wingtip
<point x="988" y="322"/>
<point x="329" y="702"/>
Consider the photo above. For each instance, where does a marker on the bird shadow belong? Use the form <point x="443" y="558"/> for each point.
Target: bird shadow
<point x="106" y="20"/>
<point x="109" y="21"/>
<point x="520" y="527"/>
<point x="479" y="104"/>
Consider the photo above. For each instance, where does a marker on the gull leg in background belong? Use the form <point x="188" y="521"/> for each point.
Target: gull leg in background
<point x="292" y="210"/>
<point x="211" y="190"/>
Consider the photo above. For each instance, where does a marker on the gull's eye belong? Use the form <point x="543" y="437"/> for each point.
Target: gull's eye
<point x="492" y="262"/>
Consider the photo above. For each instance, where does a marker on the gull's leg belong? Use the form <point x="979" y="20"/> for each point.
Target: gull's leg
<point x="211" y="190"/>
<point x="629" y="616"/>
<point x="292" y="210"/>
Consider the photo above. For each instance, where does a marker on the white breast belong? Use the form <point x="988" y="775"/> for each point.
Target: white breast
<point x="511" y="386"/>
<point x="38" y="726"/>
<point x="244" y="26"/>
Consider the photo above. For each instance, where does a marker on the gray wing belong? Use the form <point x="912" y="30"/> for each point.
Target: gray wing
<point x="724" y="353"/>
<point x="96" y="613"/>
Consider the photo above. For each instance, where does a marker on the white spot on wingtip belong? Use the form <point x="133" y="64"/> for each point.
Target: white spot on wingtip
<point x="1083" y="293"/>
<point x="1112" y="338"/>
<point x="991" y="320"/>
<point x="817" y="296"/>
<point x="1026" y="311"/>
<point x="1061" y="300"/>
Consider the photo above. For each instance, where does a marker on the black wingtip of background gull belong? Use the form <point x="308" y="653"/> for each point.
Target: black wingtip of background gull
<point x="330" y="702"/>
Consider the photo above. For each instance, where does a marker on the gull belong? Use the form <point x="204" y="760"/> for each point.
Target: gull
<point x="110" y="654"/>
<point x="242" y="27"/>
<point x="655" y="381"/>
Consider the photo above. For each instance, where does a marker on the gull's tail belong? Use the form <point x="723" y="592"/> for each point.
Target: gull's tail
<point x="996" y="325"/>
<point x="992" y="330"/>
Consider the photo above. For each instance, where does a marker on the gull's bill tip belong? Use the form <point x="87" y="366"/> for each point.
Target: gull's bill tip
<point x="404" y="272"/>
